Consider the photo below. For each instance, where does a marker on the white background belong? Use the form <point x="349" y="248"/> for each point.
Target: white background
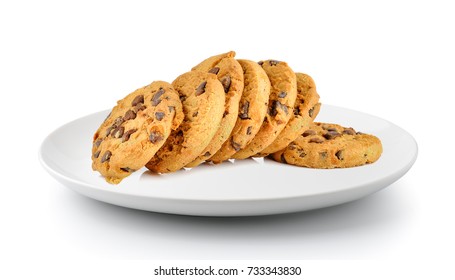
<point x="62" y="60"/>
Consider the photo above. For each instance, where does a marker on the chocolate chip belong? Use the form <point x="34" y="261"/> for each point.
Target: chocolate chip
<point x="339" y="155"/>
<point x="273" y="62"/>
<point x="214" y="70"/>
<point x="129" y="115"/>
<point x="297" y="111"/>
<point x="308" y="132"/>
<point x="182" y="98"/>
<point x="282" y="94"/>
<point x="127" y="134"/>
<point x="96" y="154"/>
<point x="244" y="110"/>
<point x="284" y="108"/>
<point x="171" y="109"/>
<point x="127" y="169"/>
<point x="207" y="154"/>
<point x="138" y="99"/>
<point x="323" y="155"/>
<point x="331" y="129"/>
<point x="156" y="97"/>
<point x="349" y="131"/>
<point x="311" y="112"/>
<point x="159" y="115"/>
<point x="235" y="145"/>
<point x="107" y="155"/>
<point x="201" y="88"/>
<point x="195" y="114"/>
<point x="283" y="160"/>
<point x="316" y="140"/>
<point x="139" y="107"/>
<point x="248" y="130"/>
<point x="302" y="154"/>
<point x="98" y="142"/>
<point x="114" y="131"/>
<point x="274" y="110"/>
<point x="108" y="130"/>
<point x="226" y="82"/>
<point x="260" y="62"/>
<point x="331" y="135"/>
<point x="360" y="133"/>
<point x="118" y="132"/>
<point x="155" y="137"/>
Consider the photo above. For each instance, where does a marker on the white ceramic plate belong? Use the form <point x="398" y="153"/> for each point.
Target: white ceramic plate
<point x="240" y="188"/>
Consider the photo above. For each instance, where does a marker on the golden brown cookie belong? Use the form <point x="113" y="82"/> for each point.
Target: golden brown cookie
<point x="327" y="145"/>
<point x="283" y="94"/>
<point x="135" y="129"/>
<point x="203" y="98"/>
<point x="252" y="110"/>
<point x="230" y="74"/>
<point x="302" y="117"/>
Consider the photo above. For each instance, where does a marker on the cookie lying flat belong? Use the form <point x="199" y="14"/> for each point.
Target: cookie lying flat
<point x="230" y="74"/>
<point x="330" y="146"/>
<point x="283" y="93"/>
<point x="202" y="97"/>
<point x="252" y="109"/>
<point x="135" y="129"/>
<point x="302" y="117"/>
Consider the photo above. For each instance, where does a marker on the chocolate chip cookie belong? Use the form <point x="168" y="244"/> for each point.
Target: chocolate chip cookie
<point x="203" y="99"/>
<point x="302" y="117"/>
<point x="252" y="110"/>
<point x="135" y="129"/>
<point x="283" y="94"/>
<point x="230" y="74"/>
<point x="327" y="145"/>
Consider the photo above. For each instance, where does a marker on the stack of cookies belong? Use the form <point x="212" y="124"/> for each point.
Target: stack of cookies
<point x="225" y="108"/>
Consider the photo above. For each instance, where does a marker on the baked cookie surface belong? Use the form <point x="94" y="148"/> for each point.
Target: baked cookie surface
<point x="252" y="110"/>
<point x="303" y="114"/>
<point x="230" y="74"/>
<point x="203" y="98"/>
<point x="135" y="129"/>
<point x="327" y="145"/>
<point x="283" y="93"/>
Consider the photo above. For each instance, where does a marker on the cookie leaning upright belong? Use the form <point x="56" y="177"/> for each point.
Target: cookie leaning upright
<point x="252" y="110"/>
<point x="330" y="146"/>
<point x="283" y="94"/>
<point x="135" y="129"/>
<point x="203" y="99"/>
<point x="230" y="74"/>
<point x="302" y="117"/>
